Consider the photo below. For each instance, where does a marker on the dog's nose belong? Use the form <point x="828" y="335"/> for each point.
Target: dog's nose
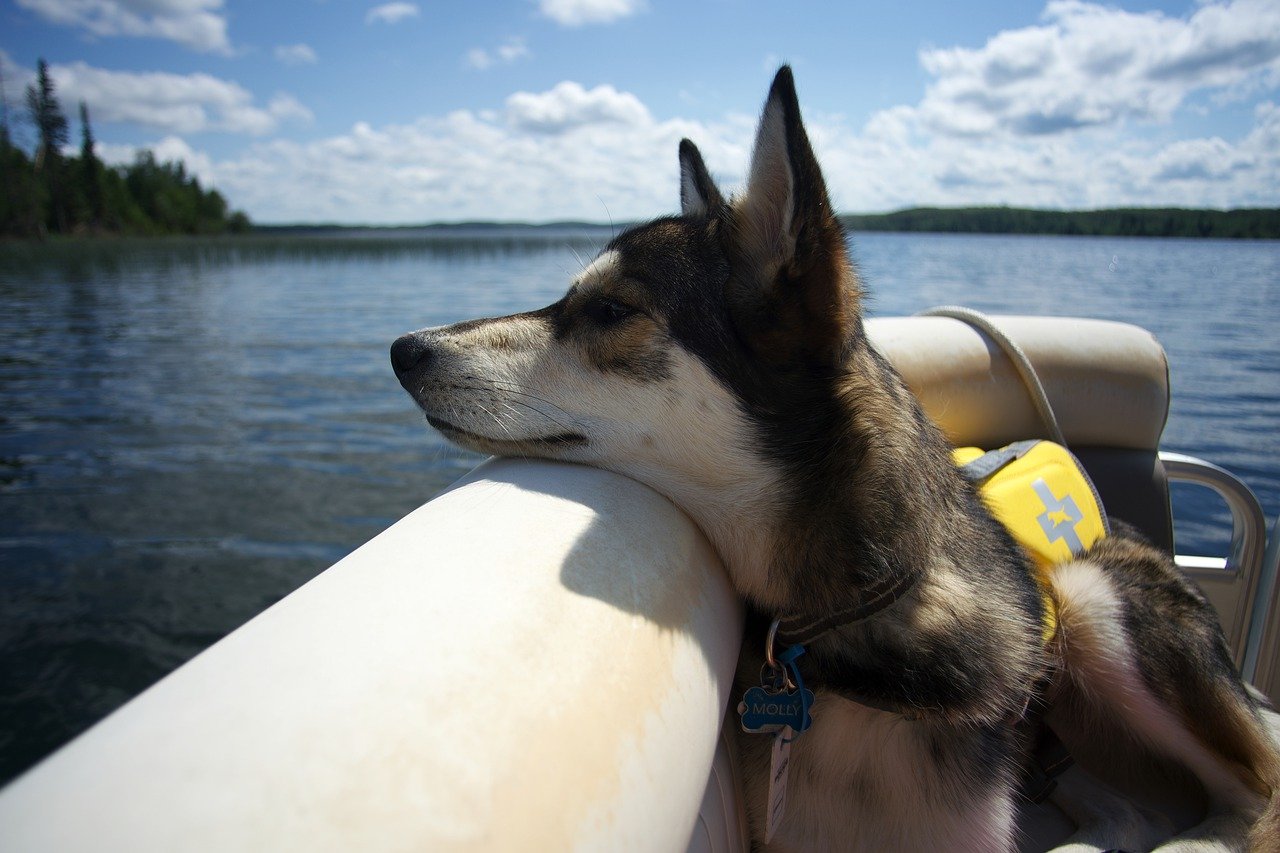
<point x="408" y="352"/>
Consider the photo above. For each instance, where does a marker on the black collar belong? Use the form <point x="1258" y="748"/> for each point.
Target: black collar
<point x="872" y="600"/>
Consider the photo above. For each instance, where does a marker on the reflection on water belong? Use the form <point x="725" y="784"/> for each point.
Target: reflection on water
<point x="83" y="259"/>
<point x="189" y="429"/>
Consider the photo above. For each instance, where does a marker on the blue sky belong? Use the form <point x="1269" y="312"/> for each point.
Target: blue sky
<point x="537" y="110"/>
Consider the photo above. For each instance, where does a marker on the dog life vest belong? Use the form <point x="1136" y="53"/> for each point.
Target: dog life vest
<point x="1042" y="495"/>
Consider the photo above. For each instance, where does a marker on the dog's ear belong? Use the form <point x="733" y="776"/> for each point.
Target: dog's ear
<point x="797" y="291"/>
<point x="699" y="195"/>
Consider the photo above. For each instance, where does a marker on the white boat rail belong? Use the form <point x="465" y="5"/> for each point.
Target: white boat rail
<point x="538" y="659"/>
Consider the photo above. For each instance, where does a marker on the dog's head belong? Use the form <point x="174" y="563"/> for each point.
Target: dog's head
<point x="697" y="353"/>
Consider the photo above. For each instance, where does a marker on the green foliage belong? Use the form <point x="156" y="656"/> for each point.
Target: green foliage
<point x="46" y="115"/>
<point x="51" y="125"/>
<point x="21" y="197"/>
<point x="90" y="177"/>
<point x="53" y="193"/>
<point x="1252" y="223"/>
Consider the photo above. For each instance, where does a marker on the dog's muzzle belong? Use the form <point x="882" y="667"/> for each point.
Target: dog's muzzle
<point x="409" y="354"/>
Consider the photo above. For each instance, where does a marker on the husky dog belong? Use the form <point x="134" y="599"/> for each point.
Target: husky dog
<point x="720" y="357"/>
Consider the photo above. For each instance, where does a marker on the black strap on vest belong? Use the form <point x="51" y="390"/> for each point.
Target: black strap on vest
<point x="993" y="460"/>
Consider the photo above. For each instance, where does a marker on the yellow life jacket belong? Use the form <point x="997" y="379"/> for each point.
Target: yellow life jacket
<point x="1043" y="496"/>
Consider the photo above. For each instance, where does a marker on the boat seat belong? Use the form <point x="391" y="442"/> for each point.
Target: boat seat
<point x="1108" y="384"/>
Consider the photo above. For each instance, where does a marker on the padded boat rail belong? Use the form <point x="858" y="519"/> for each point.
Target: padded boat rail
<point x="539" y="659"/>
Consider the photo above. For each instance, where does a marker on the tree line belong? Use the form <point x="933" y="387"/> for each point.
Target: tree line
<point x="1248" y="223"/>
<point x="51" y="192"/>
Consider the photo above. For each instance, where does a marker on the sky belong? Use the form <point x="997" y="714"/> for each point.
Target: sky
<point x="545" y="110"/>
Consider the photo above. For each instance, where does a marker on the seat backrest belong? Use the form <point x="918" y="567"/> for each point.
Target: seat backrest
<point x="1108" y="383"/>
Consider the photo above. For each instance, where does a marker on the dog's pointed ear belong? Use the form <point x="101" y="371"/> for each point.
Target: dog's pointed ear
<point x="699" y="195"/>
<point x="785" y="212"/>
<point x="804" y="291"/>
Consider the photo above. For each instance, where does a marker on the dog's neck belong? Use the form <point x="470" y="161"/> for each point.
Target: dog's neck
<point x="884" y="508"/>
<point x="876" y="499"/>
<point x="868" y="513"/>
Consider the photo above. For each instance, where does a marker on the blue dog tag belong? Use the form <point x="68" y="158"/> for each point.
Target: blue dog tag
<point x="764" y="711"/>
<point x="771" y="707"/>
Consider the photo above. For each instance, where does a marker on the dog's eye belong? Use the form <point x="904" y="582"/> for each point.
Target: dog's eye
<point x="606" y="311"/>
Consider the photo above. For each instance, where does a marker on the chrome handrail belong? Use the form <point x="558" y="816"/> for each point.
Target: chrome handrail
<point x="1266" y="606"/>
<point x="1243" y="566"/>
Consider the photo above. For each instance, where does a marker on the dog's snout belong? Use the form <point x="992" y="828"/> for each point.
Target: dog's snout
<point x="408" y="352"/>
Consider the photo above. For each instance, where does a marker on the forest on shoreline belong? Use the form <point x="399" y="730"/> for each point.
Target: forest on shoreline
<point x="51" y="192"/>
<point x="1246" y="223"/>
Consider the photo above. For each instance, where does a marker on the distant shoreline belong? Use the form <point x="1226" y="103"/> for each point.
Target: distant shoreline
<point x="1182" y="223"/>
<point x="1237" y="224"/>
<point x="437" y="227"/>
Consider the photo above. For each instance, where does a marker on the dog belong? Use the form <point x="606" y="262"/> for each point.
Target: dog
<point x="720" y="357"/>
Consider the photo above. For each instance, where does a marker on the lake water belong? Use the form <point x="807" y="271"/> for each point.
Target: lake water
<point x="189" y="430"/>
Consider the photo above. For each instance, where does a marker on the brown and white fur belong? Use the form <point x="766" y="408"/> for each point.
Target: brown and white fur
<point x="720" y="357"/>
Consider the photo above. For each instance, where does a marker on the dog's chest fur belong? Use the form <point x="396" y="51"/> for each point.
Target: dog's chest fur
<point x="912" y="786"/>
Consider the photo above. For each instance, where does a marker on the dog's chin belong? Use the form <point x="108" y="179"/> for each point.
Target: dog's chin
<point x="549" y="445"/>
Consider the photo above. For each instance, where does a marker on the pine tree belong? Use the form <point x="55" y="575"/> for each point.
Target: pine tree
<point x="90" y="171"/>
<point x="46" y="114"/>
<point x="51" y="125"/>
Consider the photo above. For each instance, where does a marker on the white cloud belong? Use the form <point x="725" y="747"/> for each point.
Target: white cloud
<point x="391" y="13"/>
<point x="570" y="152"/>
<point x="576" y="13"/>
<point x="1053" y="116"/>
<point x="198" y="24"/>
<point x="894" y="162"/>
<point x="296" y="54"/>
<point x="1097" y="66"/>
<point x="578" y="153"/>
<point x="511" y="50"/>
<point x="569" y="105"/>
<point x="284" y="107"/>
<point x="175" y="103"/>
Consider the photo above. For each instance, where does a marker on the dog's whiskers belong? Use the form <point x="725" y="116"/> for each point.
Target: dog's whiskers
<point x="497" y="421"/>
<point x="552" y="406"/>
<point x="547" y="409"/>
<point x="504" y="419"/>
